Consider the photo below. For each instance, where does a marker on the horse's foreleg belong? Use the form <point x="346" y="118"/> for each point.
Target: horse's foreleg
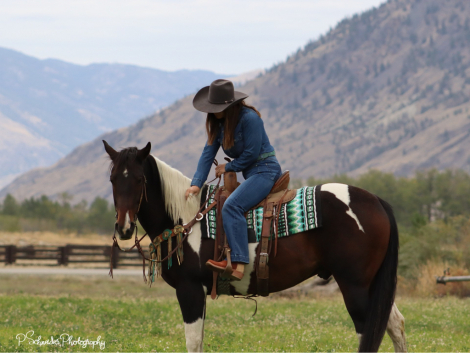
<point x="396" y="329"/>
<point x="192" y="299"/>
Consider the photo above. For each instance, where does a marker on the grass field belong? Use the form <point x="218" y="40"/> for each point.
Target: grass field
<point x="130" y="317"/>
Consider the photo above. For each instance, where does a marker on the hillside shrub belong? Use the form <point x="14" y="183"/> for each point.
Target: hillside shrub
<point x="44" y="214"/>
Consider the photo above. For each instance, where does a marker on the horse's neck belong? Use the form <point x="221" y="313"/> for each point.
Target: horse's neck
<point x="174" y="185"/>
<point x="152" y="214"/>
<point x="166" y="190"/>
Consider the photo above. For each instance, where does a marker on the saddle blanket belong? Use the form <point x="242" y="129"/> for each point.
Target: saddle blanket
<point x="298" y="215"/>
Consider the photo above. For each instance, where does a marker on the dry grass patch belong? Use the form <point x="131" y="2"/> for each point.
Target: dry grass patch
<point x="426" y="285"/>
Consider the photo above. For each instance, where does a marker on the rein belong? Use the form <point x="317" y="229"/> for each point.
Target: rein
<point x="144" y="191"/>
<point x="185" y="229"/>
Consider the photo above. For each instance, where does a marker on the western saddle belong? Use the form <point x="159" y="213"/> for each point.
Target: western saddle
<point x="278" y="195"/>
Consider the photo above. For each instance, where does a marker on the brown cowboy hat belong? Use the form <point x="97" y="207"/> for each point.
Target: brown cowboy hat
<point x="217" y="97"/>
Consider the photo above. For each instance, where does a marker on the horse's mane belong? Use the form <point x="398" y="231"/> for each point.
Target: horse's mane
<point x="174" y="186"/>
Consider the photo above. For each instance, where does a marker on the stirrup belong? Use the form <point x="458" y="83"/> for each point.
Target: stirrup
<point x="228" y="269"/>
<point x="229" y="272"/>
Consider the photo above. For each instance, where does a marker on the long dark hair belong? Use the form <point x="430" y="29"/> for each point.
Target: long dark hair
<point x="232" y="114"/>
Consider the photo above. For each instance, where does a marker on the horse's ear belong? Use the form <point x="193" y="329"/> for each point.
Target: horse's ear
<point x="111" y="151"/>
<point x="144" y="152"/>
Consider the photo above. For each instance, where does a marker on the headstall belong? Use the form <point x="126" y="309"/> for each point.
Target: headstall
<point x="181" y="232"/>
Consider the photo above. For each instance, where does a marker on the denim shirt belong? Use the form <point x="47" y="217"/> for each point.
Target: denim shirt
<point x="251" y="141"/>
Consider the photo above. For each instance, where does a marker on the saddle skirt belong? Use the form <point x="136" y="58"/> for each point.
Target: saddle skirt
<point x="299" y="211"/>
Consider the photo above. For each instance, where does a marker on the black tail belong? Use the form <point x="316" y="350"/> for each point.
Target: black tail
<point x="382" y="291"/>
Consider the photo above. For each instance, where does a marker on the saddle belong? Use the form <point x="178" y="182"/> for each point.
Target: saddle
<point x="278" y="195"/>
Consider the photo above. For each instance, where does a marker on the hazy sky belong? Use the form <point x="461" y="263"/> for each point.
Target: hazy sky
<point x="227" y="37"/>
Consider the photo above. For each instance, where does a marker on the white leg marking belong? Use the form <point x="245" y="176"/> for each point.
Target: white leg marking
<point x="242" y="286"/>
<point x="125" y="173"/>
<point x="341" y="191"/>
<point x="127" y="222"/>
<point x="359" y="337"/>
<point x="396" y="329"/>
<point x="194" y="333"/>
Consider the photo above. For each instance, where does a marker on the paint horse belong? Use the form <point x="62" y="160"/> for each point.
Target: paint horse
<point x="357" y="244"/>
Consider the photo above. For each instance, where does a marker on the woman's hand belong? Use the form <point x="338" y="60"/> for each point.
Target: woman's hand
<point x="192" y="191"/>
<point x="219" y="170"/>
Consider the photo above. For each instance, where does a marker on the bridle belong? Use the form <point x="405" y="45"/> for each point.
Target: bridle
<point x="186" y="230"/>
<point x="142" y="194"/>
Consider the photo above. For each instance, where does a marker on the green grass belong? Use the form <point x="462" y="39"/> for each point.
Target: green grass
<point x="130" y="317"/>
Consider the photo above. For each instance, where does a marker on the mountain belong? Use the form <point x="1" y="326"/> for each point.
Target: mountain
<point x="48" y="107"/>
<point x="242" y="79"/>
<point x="387" y="89"/>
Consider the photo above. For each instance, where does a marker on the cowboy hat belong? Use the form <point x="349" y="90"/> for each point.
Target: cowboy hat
<point x="217" y="97"/>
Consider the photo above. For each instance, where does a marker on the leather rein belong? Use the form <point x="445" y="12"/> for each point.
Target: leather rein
<point x="187" y="228"/>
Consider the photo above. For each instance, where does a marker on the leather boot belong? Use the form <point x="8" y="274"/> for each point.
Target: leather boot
<point x="220" y="267"/>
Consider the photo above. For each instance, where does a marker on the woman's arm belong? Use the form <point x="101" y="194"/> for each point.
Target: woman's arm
<point x="253" y="136"/>
<point x="205" y="162"/>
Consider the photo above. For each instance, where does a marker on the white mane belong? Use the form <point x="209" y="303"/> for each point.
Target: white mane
<point x="174" y="185"/>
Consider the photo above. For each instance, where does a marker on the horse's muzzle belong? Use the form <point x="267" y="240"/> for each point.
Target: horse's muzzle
<point x="127" y="234"/>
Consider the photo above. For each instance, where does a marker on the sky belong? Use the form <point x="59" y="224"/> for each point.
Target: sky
<point x="227" y="37"/>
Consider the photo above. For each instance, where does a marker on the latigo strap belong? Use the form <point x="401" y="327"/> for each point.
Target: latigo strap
<point x="263" y="252"/>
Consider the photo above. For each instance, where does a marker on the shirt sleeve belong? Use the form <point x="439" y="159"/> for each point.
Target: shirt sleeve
<point x="253" y="137"/>
<point x="205" y="162"/>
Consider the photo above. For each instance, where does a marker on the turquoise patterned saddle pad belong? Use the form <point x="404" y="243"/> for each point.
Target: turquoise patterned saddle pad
<point x="298" y="215"/>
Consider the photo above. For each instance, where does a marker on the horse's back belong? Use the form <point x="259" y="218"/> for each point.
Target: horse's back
<point x="351" y="203"/>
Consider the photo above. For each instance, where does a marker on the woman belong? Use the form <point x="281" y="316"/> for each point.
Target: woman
<point x="238" y="128"/>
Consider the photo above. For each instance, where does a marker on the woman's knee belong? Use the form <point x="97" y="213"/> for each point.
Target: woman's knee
<point x="231" y="207"/>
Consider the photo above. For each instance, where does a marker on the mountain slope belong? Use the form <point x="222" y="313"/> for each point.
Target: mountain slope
<point x="387" y="89"/>
<point x="60" y="105"/>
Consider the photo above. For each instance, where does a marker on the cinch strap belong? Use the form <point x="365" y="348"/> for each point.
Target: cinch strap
<point x="266" y="155"/>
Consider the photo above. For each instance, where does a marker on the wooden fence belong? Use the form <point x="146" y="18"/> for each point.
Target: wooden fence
<point x="64" y="255"/>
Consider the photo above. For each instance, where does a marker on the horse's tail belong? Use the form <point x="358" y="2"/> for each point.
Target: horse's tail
<point x="382" y="291"/>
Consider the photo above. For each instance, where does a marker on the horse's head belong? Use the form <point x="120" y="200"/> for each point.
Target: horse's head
<point x="128" y="180"/>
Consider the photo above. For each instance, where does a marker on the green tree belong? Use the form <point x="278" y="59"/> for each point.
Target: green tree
<point x="100" y="216"/>
<point x="42" y="208"/>
<point x="453" y="193"/>
<point x="426" y="192"/>
<point x="10" y="206"/>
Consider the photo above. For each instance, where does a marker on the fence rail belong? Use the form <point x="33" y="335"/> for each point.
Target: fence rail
<point x="64" y="255"/>
<point x="448" y="278"/>
<point x="444" y="279"/>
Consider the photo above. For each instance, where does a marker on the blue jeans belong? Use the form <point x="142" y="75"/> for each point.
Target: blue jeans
<point x="260" y="178"/>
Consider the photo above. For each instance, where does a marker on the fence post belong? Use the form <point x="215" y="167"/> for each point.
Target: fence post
<point x="10" y="254"/>
<point x="63" y="258"/>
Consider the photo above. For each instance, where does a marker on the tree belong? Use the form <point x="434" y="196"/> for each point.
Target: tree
<point x="10" y="206"/>
<point x="427" y="192"/>
<point x="101" y="215"/>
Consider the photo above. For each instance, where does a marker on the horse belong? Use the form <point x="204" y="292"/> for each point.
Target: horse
<point x="357" y="245"/>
